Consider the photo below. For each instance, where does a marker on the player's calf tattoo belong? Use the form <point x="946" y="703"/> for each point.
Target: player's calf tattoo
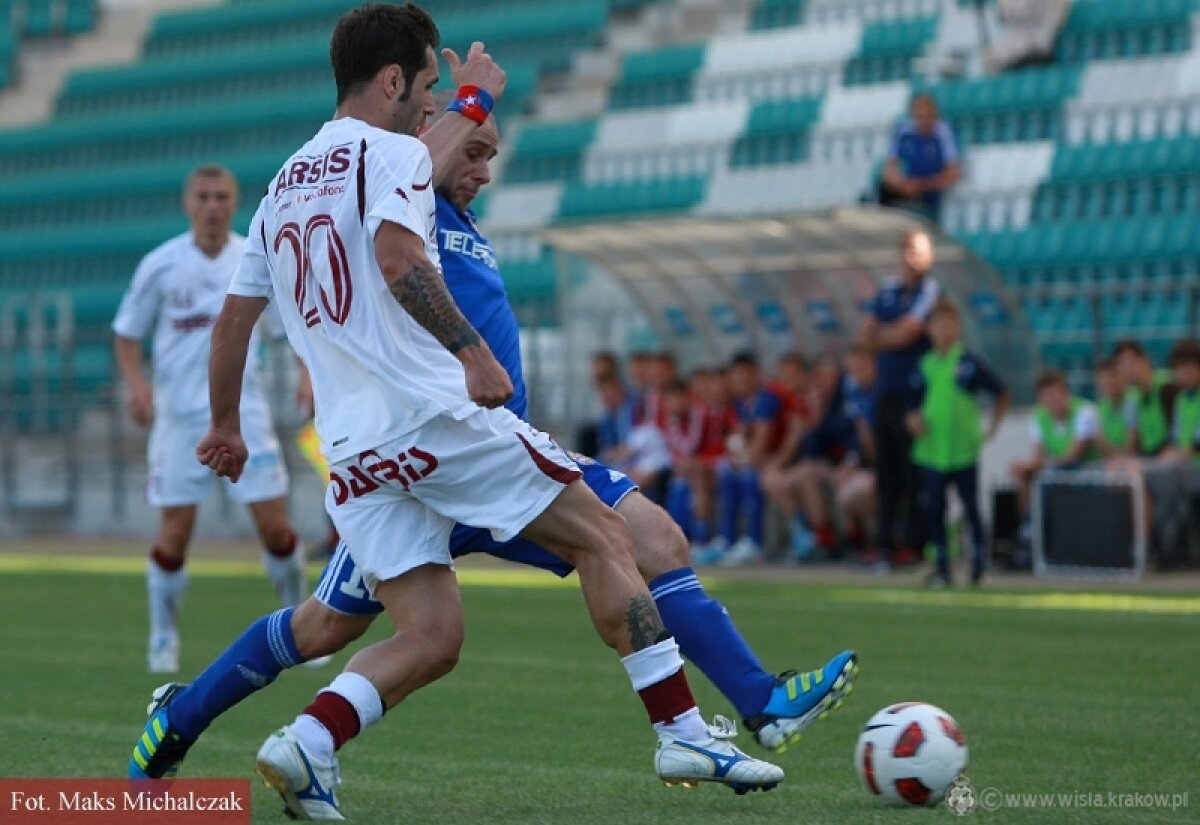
<point x="424" y="296"/>
<point x="645" y="625"/>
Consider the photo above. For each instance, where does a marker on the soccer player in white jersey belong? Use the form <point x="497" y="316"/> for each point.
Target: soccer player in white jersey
<point x="177" y="291"/>
<point x="407" y="397"/>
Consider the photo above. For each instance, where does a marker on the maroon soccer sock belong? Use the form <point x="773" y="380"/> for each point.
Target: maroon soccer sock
<point x="164" y="562"/>
<point x="336" y="715"/>
<point x="285" y="548"/>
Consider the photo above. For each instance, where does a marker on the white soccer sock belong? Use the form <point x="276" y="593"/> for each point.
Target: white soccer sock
<point x="690" y="727"/>
<point x="287" y="575"/>
<point x="164" y="590"/>
<point x="361" y="694"/>
<point x="651" y="665"/>
<point x="313" y="736"/>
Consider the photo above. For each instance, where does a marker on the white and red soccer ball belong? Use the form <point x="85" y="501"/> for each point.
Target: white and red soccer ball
<point x="910" y="754"/>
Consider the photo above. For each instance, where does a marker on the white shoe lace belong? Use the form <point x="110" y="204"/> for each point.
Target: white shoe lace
<point x="722" y="728"/>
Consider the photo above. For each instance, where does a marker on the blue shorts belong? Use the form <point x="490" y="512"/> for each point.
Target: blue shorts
<point x="341" y="586"/>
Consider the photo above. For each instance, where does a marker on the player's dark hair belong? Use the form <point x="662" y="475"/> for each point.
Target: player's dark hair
<point x="745" y="358"/>
<point x="1131" y="346"/>
<point x="376" y="35"/>
<point x="1186" y="351"/>
<point x="796" y="358"/>
<point x="678" y="385"/>
<point x="1050" y="378"/>
<point x="944" y="306"/>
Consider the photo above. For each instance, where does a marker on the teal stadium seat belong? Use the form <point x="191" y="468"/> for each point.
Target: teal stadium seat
<point x="297" y="66"/>
<point x="38" y="18"/>
<point x="8" y="53"/>
<point x="545" y="31"/>
<point x="663" y="77"/>
<point x="80" y="16"/>
<point x="1023" y="105"/>
<point x="622" y="200"/>
<point x="1104" y="29"/>
<point x="888" y="50"/>
<point x="549" y="151"/>
<point x="1153" y="177"/>
<point x="775" y="14"/>
<point x="776" y="132"/>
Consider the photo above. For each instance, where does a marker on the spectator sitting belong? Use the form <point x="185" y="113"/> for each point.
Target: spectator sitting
<point x="1185" y="365"/>
<point x="637" y="449"/>
<point x="604" y="367"/>
<point x="1149" y="400"/>
<point x="948" y="435"/>
<point x="1063" y="430"/>
<point x="616" y="420"/>
<point x="640" y="380"/>
<point x="923" y="162"/>
<point x="710" y="389"/>
<point x="855" y="482"/>
<point x="1030" y="29"/>
<point x="1110" y="406"/>
<point x="683" y="428"/>
<point x="763" y="411"/>
<point x="797" y="487"/>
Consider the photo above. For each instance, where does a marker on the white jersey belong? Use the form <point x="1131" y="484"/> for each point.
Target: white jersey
<point x="376" y="373"/>
<point x="179" y="291"/>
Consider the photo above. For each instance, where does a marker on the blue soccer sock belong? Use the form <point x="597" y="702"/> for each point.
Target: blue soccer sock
<point x="728" y="504"/>
<point x="703" y="531"/>
<point x="707" y="637"/>
<point x="252" y="662"/>
<point x="755" y="505"/>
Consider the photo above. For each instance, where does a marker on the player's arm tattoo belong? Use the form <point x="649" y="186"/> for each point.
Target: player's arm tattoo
<point x="645" y="625"/>
<point x="424" y="296"/>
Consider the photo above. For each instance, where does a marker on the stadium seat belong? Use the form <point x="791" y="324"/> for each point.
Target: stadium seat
<point x="657" y="78"/>
<point x="888" y="49"/>
<point x="549" y="151"/>
<point x="776" y="132"/>
<point x="773" y="14"/>
<point x="581" y="200"/>
<point x="1101" y="29"/>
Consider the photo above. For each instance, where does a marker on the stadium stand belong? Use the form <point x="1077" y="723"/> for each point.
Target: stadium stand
<point x="1078" y="174"/>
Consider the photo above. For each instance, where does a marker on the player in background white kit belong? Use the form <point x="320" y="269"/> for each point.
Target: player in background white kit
<point x="406" y="397"/>
<point x="177" y="292"/>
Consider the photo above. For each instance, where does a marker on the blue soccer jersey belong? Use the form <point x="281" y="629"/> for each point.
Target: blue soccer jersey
<point x="473" y="278"/>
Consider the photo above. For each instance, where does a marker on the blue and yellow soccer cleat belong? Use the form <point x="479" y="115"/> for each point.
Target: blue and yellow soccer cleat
<point x="159" y="750"/>
<point x="799" y="699"/>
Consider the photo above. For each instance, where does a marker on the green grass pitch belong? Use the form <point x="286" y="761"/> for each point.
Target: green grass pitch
<point x="1059" y="694"/>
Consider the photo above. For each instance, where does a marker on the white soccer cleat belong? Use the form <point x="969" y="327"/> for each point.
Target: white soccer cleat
<point x="679" y="762"/>
<point x="744" y="551"/>
<point x="305" y="785"/>
<point x="317" y="663"/>
<point x="162" y="654"/>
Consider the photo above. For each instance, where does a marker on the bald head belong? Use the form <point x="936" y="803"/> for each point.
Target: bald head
<point x="469" y="171"/>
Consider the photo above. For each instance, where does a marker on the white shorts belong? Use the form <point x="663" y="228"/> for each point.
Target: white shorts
<point x="177" y="478"/>
<point x="396" y="505"/>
